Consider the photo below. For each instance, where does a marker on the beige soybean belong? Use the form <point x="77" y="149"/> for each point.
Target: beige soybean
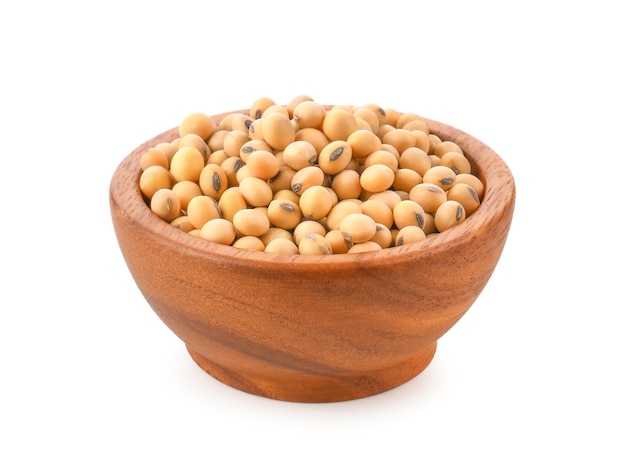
<point x="218" y="157"/>
<point x="406" y="179"/>
<point x="382" y="236"/>
<point x="338" y="124"/>
<point x="429" y="196"/>
<point x="278" y="131"/>
<point x="231" y="201"/>
<point x="168" y="148"/>
<point x="409" y="234"/>
<point x="262" y="164"/>
<point x="234" y="141"/>
<point x="242" y="172"/>
<point x="165" y="204"/>
<point x="340" y="211"/>
<point x="473" y="181"/>
<point x="448" y="215"/>
<point x="255" y="130"/>
<point x="358" y="227"/>
<point x="315" y="202"/>
<point x="422" y="140"/>
<point x="276" y="109"/>
<point x="429" y="224"/>
<point x="284" y="213"/>
<point x="335" y="157"/>
<point x="309" y="114"/>
<point x="333" y="196"/>
<point x="391" y="149"/>
<point x="466" y="196"/>
<point x="226" y="123"/>
<point x="361" y="124"/>
<point x="377" y="178"/>
<point x="378" y="211"/>
<point x="187" y="164"/>
<point x="338" y="242"/>
<point x="274" y="233"/>
<point x="368" y="116"/>
<point x="407" y="117"/>
<point x="251" y="146"/>
<point x="416" y="125"/>
<point x="388" y="197"/>
<point x="213" y="180"/>
<point x="286" y="194"/>
<point x="434" y="142"/>
<point x="241" y="122"/>
<point x="186" y="190"/>
<point x="307" y="177"/>
<point x="295" y="101"/>
<point x="218" y="230"/>
<point x="458" y="162"/>
<point x="282" y="246"/>
<point x="381" y="157"/>
<point x="183" y="223"/>
<point x="256" y="191"/>
<point x="314" y="136"/>
<point x="446" y="146"/>
<point x="154" y="156"/>
<point x="193" y="140"/>
<point x="153" y="178"/>
<point x="392" y="116"/>
<point x="259" y="106"/>
<point x="300" y="154"/>
<point x="216" y="141"/>
<point x="197" y="123"/>
<point x="363" y="143"/>
<point x="384" y="129"/>
<point x="314" y="244"/>
<point x="306" y="227"/>
<point x="231" y="166"/>
<point x="347" y="184"/>
<point x="364" y="247"/>
<point x="378" y="111"/>
<point x="282" y="180"/>
<point x="249" y="242"/>
<point x="408" y="213"/>
<point x="441" y="176"/>
<point x="251" y="221"/>
<point x="415" y="159"/>
<point x="399" y="138"/>
<point x="202" y="209"/>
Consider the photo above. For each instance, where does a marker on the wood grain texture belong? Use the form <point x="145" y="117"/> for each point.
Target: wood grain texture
<point x="313" y="328"/>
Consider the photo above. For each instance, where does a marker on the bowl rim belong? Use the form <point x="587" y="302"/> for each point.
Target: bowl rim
<point x="125" y="196"/>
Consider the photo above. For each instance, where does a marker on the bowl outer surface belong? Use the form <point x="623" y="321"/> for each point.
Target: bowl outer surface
<point x="301" y="314"/>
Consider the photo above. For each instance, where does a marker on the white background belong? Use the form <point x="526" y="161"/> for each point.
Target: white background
<point x="535" y="370"/>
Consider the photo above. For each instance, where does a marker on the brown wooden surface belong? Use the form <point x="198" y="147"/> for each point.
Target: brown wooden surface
<point x="313" y="328"/>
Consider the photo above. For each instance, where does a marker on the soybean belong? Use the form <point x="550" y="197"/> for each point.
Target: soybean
<point x="449" y="214"/>
<point x="165" y="204"/>
<point x="305" y="179"/>
<point x="358" y="227"/>
<point x="314" y="244"/>
<point x="251" y="221"/>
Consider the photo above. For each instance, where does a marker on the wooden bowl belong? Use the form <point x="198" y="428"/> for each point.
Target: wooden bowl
<point x="313" y="328"/>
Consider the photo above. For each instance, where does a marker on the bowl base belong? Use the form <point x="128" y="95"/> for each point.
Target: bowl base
<point x="288" y="385"/>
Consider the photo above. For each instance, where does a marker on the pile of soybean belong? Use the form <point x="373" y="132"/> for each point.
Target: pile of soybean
<point x="307" y="178"/>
